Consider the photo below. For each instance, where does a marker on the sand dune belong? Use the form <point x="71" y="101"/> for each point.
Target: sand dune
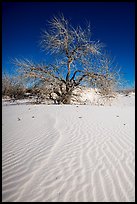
<point x="68" y="153"/>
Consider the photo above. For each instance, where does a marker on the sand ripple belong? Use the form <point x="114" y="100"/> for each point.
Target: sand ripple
<point x="68" y="153"/>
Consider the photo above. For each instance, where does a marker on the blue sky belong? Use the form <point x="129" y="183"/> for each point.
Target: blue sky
<point x="112" y="23"/>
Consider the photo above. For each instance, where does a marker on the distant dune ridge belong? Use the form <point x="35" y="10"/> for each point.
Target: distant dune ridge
<point x="69" y="152"/>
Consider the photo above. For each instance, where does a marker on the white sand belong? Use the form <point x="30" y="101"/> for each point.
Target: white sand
<point x="68" y="153"/>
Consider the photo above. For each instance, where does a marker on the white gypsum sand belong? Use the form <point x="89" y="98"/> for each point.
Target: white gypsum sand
<point x="68" y="153"/>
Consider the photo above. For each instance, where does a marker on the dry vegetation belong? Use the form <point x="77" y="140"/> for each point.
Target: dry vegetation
<point x="12" y="87"/>
<point x="79" y="61"/>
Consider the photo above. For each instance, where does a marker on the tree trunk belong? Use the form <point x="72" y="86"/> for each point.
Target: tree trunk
<point x="67" y="99"/>
<point x="68" y="95"/>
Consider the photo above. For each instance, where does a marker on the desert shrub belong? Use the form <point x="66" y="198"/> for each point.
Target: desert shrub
<point x="12" y="87"/>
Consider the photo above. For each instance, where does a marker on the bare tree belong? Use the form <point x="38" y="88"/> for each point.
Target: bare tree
<point x="12" y="87"/>
<point x="79" y="60"/>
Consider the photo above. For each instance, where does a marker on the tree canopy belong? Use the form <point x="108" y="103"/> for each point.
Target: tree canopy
<point x="78" y="60"/>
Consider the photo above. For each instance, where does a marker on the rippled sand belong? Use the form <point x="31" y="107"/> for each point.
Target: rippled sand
<point x="68" y="153"/>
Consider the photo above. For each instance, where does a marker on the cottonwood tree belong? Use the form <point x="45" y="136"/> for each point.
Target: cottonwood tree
<point x="78" y="60"/>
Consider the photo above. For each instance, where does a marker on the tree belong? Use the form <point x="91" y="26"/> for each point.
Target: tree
<point x="12" y="86"/>
<point x="78" y="60"/>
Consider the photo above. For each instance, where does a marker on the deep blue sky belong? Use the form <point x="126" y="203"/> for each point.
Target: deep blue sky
<point x="111" y="23"/>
